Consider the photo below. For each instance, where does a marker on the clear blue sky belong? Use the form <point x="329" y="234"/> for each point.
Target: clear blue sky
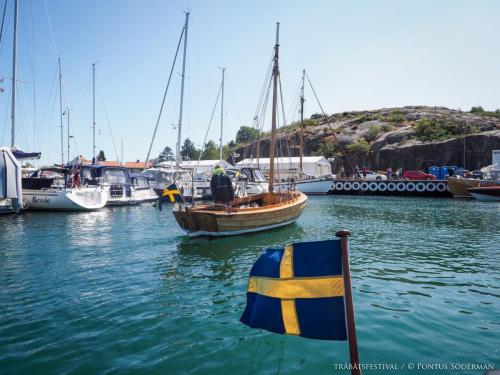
<point x="358" y="54"/>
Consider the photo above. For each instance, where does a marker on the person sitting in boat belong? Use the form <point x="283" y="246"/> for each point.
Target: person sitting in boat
<point x="221" y="186"/>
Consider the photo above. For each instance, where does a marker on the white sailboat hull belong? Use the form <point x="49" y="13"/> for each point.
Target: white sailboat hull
<point x="145" y="195"/>
<point x="79" y="199"/>
<point x="312" y="186"/>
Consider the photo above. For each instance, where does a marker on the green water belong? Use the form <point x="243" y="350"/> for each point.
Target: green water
<point x="123" y="291"/>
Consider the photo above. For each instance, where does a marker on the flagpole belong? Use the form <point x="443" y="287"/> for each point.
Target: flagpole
<point x="349" y="306"/>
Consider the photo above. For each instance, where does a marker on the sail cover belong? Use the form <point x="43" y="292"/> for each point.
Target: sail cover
<point x="10" y="178"/>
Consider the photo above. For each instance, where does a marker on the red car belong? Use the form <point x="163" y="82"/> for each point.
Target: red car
<point x="418" y="175"/>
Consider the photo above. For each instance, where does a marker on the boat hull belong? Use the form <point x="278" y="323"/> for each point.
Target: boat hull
<point x="459" y="186"/>
<point x="206" y="221"/>
<point x="487" y="194"/>
<point x="313" y="186"/>
<point x="84" y="199"/>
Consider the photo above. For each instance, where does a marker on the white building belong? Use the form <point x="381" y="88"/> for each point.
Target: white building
<point x="311" y="165"/>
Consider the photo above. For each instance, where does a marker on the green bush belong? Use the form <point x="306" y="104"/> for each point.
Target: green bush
<point x="395" y="116"/>
<point x="361" y="147"/>
<point x="372" y="133"/>
<point x="439" y="129"/>
<point x="327" y="148"/>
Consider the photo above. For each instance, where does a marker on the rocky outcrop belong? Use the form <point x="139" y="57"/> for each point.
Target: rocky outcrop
<point x="395" y="144"/>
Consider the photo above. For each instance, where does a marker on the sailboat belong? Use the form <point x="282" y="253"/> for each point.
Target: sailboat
<point x="254" y="213"/>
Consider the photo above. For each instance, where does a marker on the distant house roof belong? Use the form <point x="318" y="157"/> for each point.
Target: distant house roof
<point x="109" y="163"/>
<point x="137" y="164"/>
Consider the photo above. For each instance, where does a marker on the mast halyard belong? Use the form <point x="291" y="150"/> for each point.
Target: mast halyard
<point x="179" y="126"/>
<point x="69" y="136"/>
<point x="61" y="109"/>
<point x="272" y="150"/>
<point x="221" y="114"/>
<point x="302" y="120"/>
<point x="14" y="56"/>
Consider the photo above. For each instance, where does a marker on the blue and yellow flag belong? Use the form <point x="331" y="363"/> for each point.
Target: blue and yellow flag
<point x="298" y="290"/>
<point x="173" y="193"/>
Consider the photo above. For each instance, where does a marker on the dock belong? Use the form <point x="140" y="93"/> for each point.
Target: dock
<point x="408" y="188"/>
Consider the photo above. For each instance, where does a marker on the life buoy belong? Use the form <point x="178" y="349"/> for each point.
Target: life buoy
<point x="356" y="185"/>
<point x="347" y="186"/>
<point x="391" y="186"/>
<point x="430" y="186"/>
<point x="401" y="186"/>
<point x="441" y="187"/>
<point x="382" y="186"/>
<point x="373" y="186"/>
<point x="410" y="186"/>
<point x="364" y="186"/>
<point x="420" y="187"/>
<point x="339" y="186"/>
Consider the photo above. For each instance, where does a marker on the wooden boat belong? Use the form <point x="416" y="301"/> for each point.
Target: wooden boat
<point x="252" y="213"/>
<point x="459" y="187"/>
<point x="486" y="193"/>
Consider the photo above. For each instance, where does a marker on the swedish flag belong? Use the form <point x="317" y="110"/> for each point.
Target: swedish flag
<point x="173" y="193"/>
<point x="298" y="290"/>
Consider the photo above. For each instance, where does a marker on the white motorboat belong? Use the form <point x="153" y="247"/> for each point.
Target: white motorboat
<point x="116" y="180"/>
<point x="57" y="189"/>
<point x="162" y="177"/>
<point x="141" y="190"/>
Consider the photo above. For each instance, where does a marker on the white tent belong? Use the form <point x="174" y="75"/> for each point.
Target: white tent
<point x="11" y="195"/>
<point x="311" y="165"/>
<point x="204" y="166"/>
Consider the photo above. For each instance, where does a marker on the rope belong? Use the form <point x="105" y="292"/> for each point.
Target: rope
<point x="3" y="20"/>
<point x="164" y="96"/>
<point x="109" y="126"/>
<point x="330" y="126"/>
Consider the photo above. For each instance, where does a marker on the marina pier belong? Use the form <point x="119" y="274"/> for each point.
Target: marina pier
<point x="404" y="188"/>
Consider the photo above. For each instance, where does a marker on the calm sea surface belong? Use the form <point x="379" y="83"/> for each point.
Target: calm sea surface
<point x="124" y="291"/>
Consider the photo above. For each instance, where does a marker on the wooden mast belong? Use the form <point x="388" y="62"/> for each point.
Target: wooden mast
<point x="302" y="120"/>
<point x="179" y="126"/>
<point x="275" y="99"/>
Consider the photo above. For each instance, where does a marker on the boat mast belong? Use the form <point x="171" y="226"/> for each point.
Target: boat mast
<point x="302" y="120"/>
<point x="179" y="126"/>
<point x="275" y="99"/>
<point x="93" y="112"/>
<point x="61" y="110"/>
<point x="69" y="136"/>
<point x="14" y="55"/>
<point x="221" y="114"/>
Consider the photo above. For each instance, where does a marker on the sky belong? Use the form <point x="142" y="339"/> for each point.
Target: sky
<point x="358" y="54"/>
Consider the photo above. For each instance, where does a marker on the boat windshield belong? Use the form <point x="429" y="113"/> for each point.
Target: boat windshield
<point x="141" y="182"/>
<point x="115" y="176"/>
<point x="258" y="176"/>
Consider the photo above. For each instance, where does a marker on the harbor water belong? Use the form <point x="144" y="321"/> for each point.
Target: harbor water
<point x="124" y="291"/>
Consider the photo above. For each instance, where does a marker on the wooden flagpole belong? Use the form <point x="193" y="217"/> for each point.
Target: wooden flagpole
<point x="349" y="306"/>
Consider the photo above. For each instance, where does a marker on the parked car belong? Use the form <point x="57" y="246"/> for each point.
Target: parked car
<point x="374" y="176"/>
<point x="417" y="175"/>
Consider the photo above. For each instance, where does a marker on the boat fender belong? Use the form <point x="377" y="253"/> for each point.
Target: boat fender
<point x="430" y="186"/>
<point x="347" y="186"/>
<point x="373" y="186"/>
<point x="420" y="187"/>
<point x="339" y="186"/>
<point x="382" y="186"/>
<point x="364" y="186"/>
<point x="401" y="186"/>
<point x="410" y="186"/>
<point x="441" y="187"/>
<point x="391" y="186"/>
<point x="356" y="185"/>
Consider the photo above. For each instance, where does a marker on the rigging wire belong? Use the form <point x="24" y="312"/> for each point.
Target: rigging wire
<point x="109" y="127"/>
<point x="208" y="129"/>
<point x="51" y="29"/>
<point x="3" y="19"/>
<point x="165" y="95"/>
<point x="342" y="150"/>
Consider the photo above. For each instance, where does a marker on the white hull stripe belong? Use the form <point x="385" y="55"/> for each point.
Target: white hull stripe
<point x="236" y="232"/>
